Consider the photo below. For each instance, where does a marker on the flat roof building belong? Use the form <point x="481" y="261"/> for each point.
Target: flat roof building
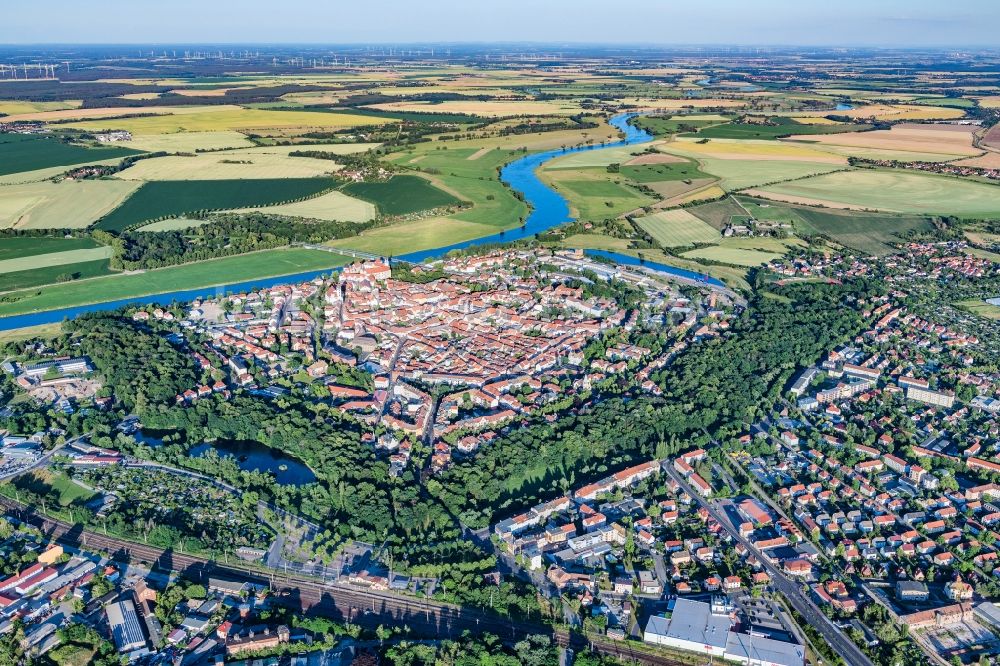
<point x="126" y="628"/>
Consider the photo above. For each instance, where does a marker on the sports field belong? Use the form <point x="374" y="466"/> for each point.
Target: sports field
<point x="175" y="197"/>
<point x="227" y="166"/>
<point x="189" y="276"/>
<point x="401" y="195"/>
<point x="28" y="152"/>
<point x="65" y="205"/>
<point x="896" y="191"/>
<point x="333" y="206"/>
<point x="676" y="228"/>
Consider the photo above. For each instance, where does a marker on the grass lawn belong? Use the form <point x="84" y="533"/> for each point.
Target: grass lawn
<point x="980" y="307"/>
<point x="28" y="152"/>
<point x="897" y="191"/>
<point x="269" y="263"/>
<point x="26" y="246"/>
<point x="169" y="198"/>
<point x="61" y="486"/>
<point x="676" y="228"/>
<point x="401" y="195"/>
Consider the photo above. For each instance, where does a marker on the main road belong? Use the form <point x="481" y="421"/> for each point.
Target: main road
<point x="832" y="634"/>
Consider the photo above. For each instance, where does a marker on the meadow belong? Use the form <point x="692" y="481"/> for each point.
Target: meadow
<point x="653" y="173"/>
<point x="168" y="198"/>
<point x="401" y="195"/>
<point x="677" y="228"/>
<point x="415" y="235"/>
<point x="894" y="191"/>
<point x="29" y="152"/>
<point x="595" y="194"/>
<point x="196" y="275"/>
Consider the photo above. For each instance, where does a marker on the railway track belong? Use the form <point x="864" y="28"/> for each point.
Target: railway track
<point x="367" y="608"/>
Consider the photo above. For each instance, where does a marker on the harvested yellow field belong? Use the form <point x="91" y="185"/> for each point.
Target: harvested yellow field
<point x="669" y="189"/>
<point x="984" y="161"/>
<point x="655" y="158"/>
<point x="12" y="108"/>
<point x="804" y="201"/>
<point x="140" y="96"/>
<point x="104" y="112"/>
<point x="735" y="149"/>
<point x="658" y="105"/>
<point x="188" y="142"/>
<point x="901" y="112"/>
<point x="991" y="102"/>
<point x="229" y="118"/>
<point x="65" y="205"/>
<point x="333" y="206"/>
<point x="202" y="92"/>
<point x="334" y="148"/>
<point x="227" y="166"/>
<point x="814" y="120"/>
<point x="713" y="192"/>
<point x="484" y="108"/>
<point x="946" y="140"/>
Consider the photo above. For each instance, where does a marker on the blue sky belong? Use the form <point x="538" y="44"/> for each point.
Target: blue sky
<point x="778" y="22"/>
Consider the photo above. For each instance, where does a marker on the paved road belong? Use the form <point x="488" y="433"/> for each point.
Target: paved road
<point x="840" y="643"/>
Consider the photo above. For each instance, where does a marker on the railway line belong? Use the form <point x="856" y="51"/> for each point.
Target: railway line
<point x="366" y="608"/>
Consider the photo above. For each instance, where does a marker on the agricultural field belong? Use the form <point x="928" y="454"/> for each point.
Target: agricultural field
<point x="596" y="158"/>
<point x="719" y="214"/>
<point x="740" y="174"/>
<point x="412" y="236"/>
<point x="762" y="151"/>
<point x="677" y="228"/>
<point x="188" y="276"/>
<point x="33" y="277"/>
<point x="595" y="194"/>
<point x="64" y="205"/>
<point x="775" y="128"/>
<point x="401" y="195"/>
<point x="222" y="119"/>
<point x="735" y="255"/>
<point x="54" y="259"/>
<point x="228" y="166"/>
<point x="871" y="233"/>
<point x="188" y="142"/>
<point x="332" y="206"/>
<point x="665" y="125"/>
<point x="15" y="247"/>
<point x="892" y="191"/>
<point x="655" y="173"/>
<point x="946" y="141"/>
<point x="29" y="152"/>
<point x="488" y="108"/>
<point x="168" y="198"/>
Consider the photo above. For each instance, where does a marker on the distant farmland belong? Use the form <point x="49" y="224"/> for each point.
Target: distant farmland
<point x="28" y="152"/>
<point x="401" y="195"/>
<point x="161" y="199"/>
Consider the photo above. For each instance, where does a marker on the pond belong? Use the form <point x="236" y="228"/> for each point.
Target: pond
<point x="256" y="457"/>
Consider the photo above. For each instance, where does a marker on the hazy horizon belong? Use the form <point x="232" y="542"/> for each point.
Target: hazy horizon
<point x="850" y="23"/>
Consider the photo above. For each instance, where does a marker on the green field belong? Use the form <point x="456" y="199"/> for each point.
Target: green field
<point x="738" y="256"/>
<point x="415" y="235"/>
<point x="870" y="233"/>
<point x="663" y="125"/>
<point x="896" y="191"/>
<point x="741" y="174"/>
<point x="34" y="277"/>
<point x="28" y="152"/>
<point x="64" y="205"/>
<point x="57" y="485"/>
<point x="269" y="263"/>
<point x="401" y="195"/>
<point x="718" y="214"/>
<point x="782" y="127"/>
<point x="595" y="194"/>
<point x="981" y="308"/>
<point x="55" y="259"/>
<point x="13" y="247"/>
<point x="653" y="173"/>
<point x="677" y="228"/>
<point x="170" y="198"/>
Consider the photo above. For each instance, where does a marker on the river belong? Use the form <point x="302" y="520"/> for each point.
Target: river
<point x="548" y="209"/>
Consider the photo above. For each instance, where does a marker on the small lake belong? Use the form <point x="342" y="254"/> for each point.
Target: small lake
<point x="256" y="457"/>
<point x="844" y="107"/>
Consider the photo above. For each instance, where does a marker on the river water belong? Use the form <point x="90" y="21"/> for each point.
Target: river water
<point x="548" y="209"/>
